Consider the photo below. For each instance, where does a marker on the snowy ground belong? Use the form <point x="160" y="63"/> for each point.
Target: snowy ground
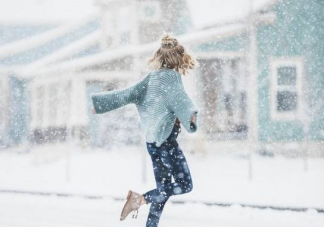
<point x="276" y="181"/>
<point x="44" y="211"/>
<point x="220" y="179"/>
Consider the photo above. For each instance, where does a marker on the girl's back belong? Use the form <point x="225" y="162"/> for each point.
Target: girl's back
<point x="156" y="106"/>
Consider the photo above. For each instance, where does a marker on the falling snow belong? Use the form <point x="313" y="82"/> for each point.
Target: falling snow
<point x="256" y="156"/>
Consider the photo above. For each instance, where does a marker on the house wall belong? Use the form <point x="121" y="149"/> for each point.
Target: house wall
<point x="3" y="109"/>
<point x="237" y="43"/>
<point x="18" y="110"/>
<point x="58" y="108"/>
<point x="296" y="33"/>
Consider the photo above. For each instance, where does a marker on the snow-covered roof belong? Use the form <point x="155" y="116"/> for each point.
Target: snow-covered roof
<point x="13" y="33"/>
<point x="44" y="11"/>
<point x="206" y="13"/>
<point x="69" y="51"/>
<point x="32" y="42"/>
<point x="34" y="48"/>
<point x="189" y="40"/>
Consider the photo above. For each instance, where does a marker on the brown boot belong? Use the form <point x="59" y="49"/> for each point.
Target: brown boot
<point x="134" y="201"/>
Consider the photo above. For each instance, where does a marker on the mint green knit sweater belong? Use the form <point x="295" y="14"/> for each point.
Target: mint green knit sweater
<point x="159" y="97"/>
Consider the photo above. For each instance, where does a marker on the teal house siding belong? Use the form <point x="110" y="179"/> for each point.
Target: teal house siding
<point x="237" y="43"/>
<point x="297" y="32"/>
<point x="18" y="110"/>
<point x="17" y="128"/>
<point x="183" y="22"/>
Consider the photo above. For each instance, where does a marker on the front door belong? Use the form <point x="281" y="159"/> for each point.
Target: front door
<point x="223" y="91"/>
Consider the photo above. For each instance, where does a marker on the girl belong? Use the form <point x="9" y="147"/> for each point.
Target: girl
<point x="162" y="104"/>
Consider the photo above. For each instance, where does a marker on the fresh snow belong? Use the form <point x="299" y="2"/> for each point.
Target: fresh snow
<point x="39" y="211"/>
<point x="217" y="178"/>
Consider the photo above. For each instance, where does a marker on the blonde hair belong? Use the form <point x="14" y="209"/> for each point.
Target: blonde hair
<point x="172" y="55"/>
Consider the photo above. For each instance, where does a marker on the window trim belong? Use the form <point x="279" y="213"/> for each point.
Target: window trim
<point x="275" y="63"/>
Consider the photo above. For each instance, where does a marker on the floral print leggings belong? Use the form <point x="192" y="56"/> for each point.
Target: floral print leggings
<point x="168" y="160"/>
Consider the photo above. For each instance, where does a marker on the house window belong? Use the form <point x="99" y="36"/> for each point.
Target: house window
<point x="286" y="89"/>
<point x="150" y="11"/>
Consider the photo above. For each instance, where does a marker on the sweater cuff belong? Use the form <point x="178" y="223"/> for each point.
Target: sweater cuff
<point x="194" y="125"/>
<point x="186" y="119"/>
<point x="100" y="102"/>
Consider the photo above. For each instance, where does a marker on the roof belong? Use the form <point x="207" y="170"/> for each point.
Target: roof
<point x="190" y="40"/>
<point x="13" y="33"/>
<point x="221" y="12"/>
<point x="31" y="49"/>
<point x="139" y="50"/>
<point x="72" y="51"/>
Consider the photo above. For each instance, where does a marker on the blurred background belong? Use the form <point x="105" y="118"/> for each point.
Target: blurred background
<point x="257" y="156"/>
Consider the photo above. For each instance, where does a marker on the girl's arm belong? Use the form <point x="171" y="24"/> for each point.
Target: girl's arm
<point x="110" y="100"/>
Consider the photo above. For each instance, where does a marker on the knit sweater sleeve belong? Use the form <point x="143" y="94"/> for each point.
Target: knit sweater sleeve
<point x="111" y="100"/>
<point x="181" y="104"/>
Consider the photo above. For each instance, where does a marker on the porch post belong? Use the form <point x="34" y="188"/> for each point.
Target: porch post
<point x="252" y="91"/>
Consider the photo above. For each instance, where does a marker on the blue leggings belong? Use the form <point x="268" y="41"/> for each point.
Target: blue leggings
<point x="168" y="160"/>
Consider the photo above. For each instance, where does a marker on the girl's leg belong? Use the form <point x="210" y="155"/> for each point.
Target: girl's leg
<point x="155" y="213"/>
<point x="168" y="160"/>
<point x="180" y="172"/>
<point x="172" y="162"/>
<point x="163" y="176"/>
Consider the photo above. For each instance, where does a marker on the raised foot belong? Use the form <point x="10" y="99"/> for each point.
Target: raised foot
<point x="134" y="201"/>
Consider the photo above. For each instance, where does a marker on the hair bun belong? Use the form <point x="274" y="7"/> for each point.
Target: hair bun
<point x="168" y="42"/>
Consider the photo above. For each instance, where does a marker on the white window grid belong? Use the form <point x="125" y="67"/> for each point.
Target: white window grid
<point x="275" y="64"/>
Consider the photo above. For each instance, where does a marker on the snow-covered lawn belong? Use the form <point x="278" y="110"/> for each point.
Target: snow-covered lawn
<point x="223" y="179"/>
<point x="51" y="211"/>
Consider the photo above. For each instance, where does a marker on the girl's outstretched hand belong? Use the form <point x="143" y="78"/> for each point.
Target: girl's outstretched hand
<point x="93" y="111"/>
<point x="193" y="118"/>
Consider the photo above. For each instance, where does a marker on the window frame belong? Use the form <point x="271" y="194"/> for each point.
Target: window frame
<point x="275" y="64"/>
